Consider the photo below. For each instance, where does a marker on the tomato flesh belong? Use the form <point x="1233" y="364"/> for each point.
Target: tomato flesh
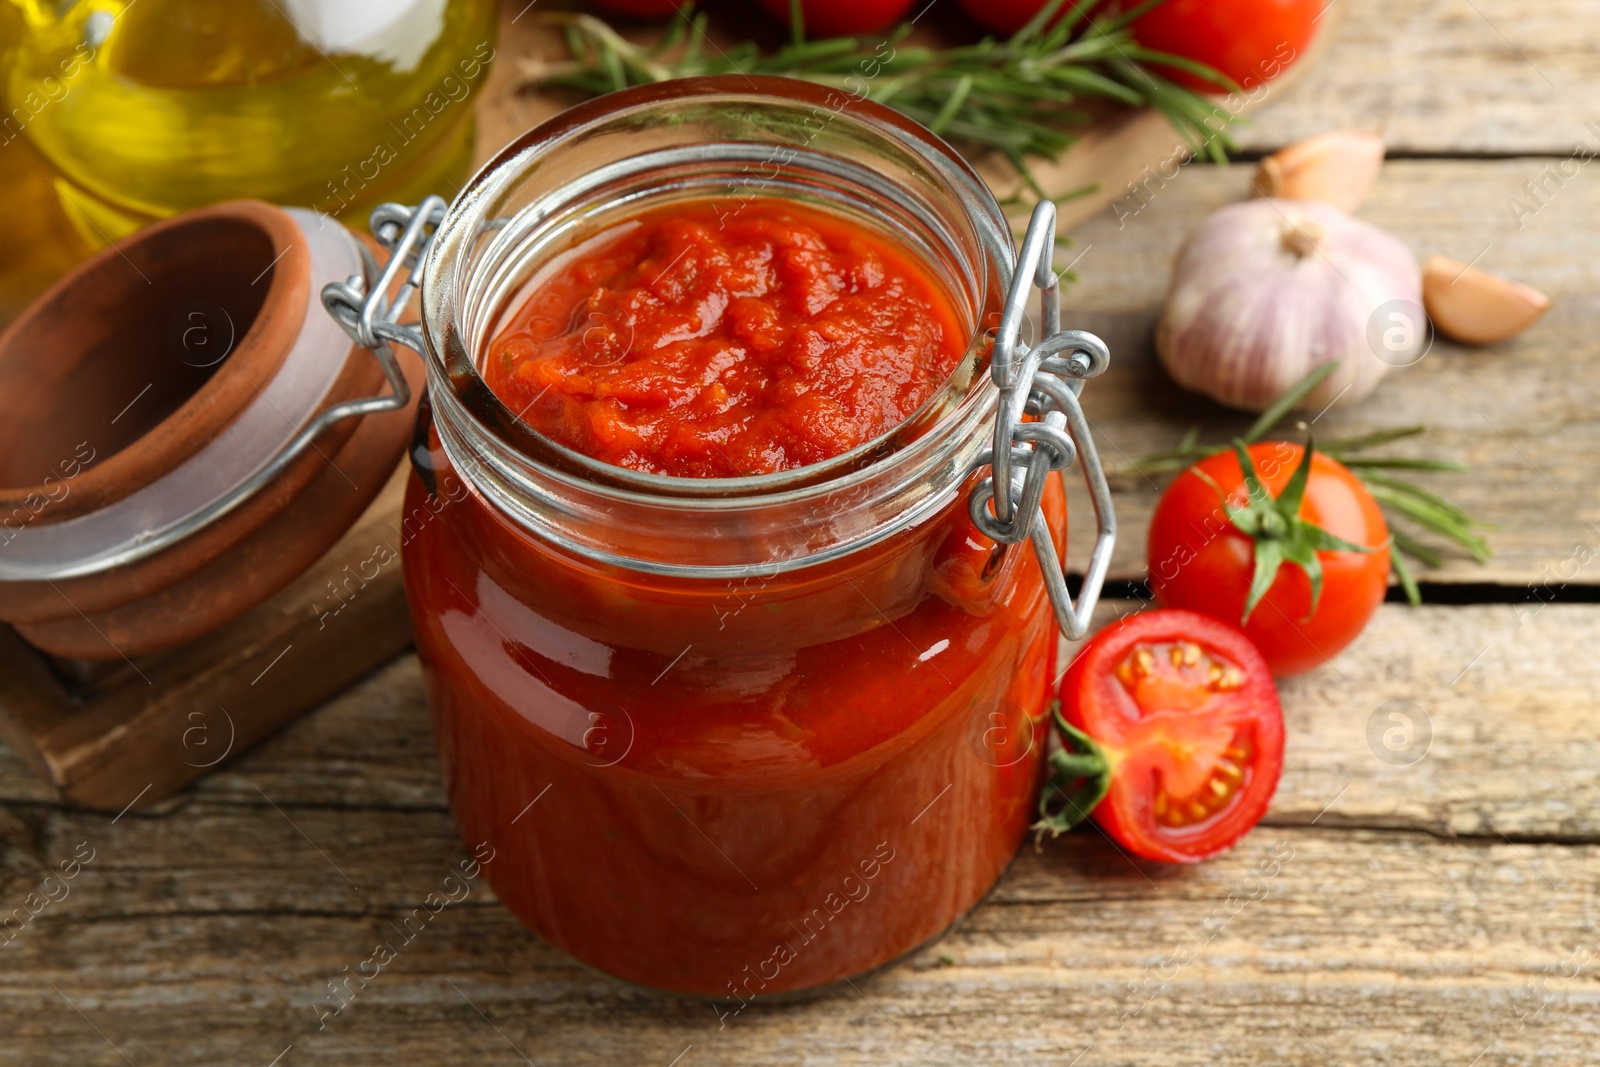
<point x="1186" y="714"/>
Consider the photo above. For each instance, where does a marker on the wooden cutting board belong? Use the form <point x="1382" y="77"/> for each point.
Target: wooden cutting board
<point x="127" y="734"/>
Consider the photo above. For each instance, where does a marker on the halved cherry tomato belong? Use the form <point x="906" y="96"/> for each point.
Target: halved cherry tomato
<point x="1172" y="718"/>
<point x="837" y="18"/>
<point x="1325" y="552"/>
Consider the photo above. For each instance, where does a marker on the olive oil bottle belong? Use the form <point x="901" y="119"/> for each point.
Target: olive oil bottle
<point x="145" y="108"/>
<point x="39" y="243"/>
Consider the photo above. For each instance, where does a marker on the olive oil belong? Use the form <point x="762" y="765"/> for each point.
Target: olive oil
<point x="39" y="243"/>
<point x="152" y="107"/>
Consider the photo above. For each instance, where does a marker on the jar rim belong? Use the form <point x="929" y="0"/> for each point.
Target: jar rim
<point x="462" y="400"/>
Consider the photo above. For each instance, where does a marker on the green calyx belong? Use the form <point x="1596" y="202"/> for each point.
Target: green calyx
<point x="1080" y="777"/>
<point x="1280" y="535"/>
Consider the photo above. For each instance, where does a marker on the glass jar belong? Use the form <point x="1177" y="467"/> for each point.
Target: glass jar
<point x="146" y="108"/>
<point x="736" y="737"/>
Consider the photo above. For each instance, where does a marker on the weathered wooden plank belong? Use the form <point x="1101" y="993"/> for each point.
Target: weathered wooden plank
<point x="1305" y="945"/>
<point x="1454" y="207"/>
<point x="208" y="933"/>
<point x="1521" y="413"/>
<point x="1496" y="742"/>
<point x="1447" y="77"/>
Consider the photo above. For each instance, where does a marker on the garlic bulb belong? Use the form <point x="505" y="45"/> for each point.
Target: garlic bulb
<point x="1267" y="290"/>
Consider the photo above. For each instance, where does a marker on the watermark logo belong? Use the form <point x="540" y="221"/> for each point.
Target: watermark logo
<point x="609" y="737"/>
<point x="1004" y="738"/>
<point x="1399" y="733"/>
<point x="204" y="746"/>
<point x="1399" y="333"/>
<point x="201" y="333"/>
<point x="1537" y="194"/>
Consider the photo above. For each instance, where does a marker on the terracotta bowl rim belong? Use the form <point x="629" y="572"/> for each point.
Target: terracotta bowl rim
<point x="255" y="358"/>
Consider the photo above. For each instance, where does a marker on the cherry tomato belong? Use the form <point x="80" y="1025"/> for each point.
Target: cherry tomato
<point x="836" y="18"/>
<point x="644" y="9"/>
<point x="1180" y="712"/>
<point x="1208" y="541"/>
<point x="1251" y="41"/>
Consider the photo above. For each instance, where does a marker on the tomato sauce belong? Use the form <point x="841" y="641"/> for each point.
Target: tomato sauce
<point x="718" y="339"/>
<point x="731" y="789"/>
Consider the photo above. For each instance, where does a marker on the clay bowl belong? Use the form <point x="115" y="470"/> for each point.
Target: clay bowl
<point x="145" y="380"/>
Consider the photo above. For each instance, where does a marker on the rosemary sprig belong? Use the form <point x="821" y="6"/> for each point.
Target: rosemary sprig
<point x="1019" y="97"/>
<point x="1402" y="501"/>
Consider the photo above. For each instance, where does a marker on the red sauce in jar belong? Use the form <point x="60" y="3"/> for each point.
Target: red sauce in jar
<point x="736" y="792"/>
<point x="731" y="788"/>
<point x="718" y="339"/>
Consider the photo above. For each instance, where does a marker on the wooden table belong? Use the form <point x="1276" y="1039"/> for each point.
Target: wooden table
<point x="1440" y="911"/>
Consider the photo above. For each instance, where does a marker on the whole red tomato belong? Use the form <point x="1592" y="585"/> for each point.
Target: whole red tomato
<point x="644" y="9"/>
<point x="835" y="18"/>
<point x="1302" y="566"/>
<point x="1251" y="41"/>
<point x="1171" y="737"/>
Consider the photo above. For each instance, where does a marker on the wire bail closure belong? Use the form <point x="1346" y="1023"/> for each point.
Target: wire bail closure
<point x="1043" y="381"/>
<point x="370" y="318"/>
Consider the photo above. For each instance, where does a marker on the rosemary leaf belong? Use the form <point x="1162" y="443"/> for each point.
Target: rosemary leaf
<point x="1434" y="519"/>
<point x="1372" y="477"/>
<point x="952" y="105"/>
<point x="1402" y="571"/>
<point x="1406" y="463"/>
<point x="1404" y="542"/>
<point x="1368" y="440"/>
<point x="1287" y="403"/>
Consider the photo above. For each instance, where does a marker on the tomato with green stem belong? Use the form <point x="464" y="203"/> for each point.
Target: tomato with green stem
<point x="1278" y="539"/>
<point x="1398" y="497"/>
<point x="1171" y="737"/>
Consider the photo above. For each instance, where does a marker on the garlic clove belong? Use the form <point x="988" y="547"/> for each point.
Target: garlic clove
<point x="1476" y="307"/>
<point x="1337" y="168"/>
